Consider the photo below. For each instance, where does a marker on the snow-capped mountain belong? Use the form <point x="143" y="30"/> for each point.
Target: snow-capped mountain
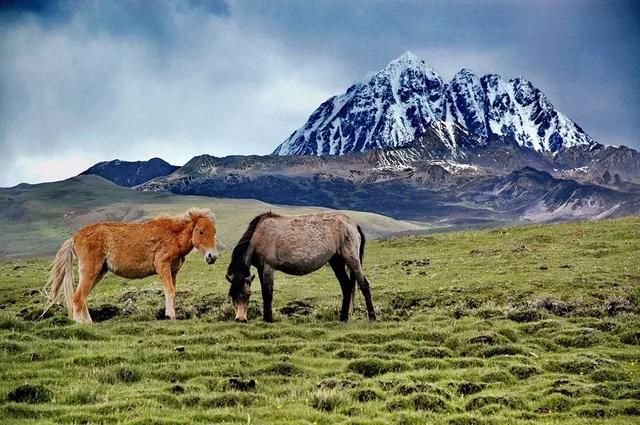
<point x="403" y="101"/>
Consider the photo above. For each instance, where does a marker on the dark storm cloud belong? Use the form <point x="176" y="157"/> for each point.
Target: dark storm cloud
<point x="82" y="81"/>
<point x="152" y="20"/>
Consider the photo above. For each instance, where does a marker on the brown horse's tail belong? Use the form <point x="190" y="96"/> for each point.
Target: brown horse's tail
<point x="60" y="282"/>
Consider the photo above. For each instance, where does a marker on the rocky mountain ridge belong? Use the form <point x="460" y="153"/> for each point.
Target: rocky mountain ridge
<point x="131" y="173"/>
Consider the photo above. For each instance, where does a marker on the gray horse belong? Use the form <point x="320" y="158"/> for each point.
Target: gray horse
<point x="297" y="245"/>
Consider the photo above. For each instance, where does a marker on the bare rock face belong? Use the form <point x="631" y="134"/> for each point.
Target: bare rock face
<point x="490" y="185"/>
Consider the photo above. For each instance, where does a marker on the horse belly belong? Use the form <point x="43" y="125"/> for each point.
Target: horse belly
<point x="131" y="269"/>
<point x="133" y="274"/>
<point x="300" y="263"/>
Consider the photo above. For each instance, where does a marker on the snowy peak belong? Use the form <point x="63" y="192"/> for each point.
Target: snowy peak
<point x="465" y="102"/>
<point x="517" y="109"/>
<point x="409" y="62"/>
<point x="391" y="109"/>
<point x="408" y="57"/>
<point x="398" y="104"/>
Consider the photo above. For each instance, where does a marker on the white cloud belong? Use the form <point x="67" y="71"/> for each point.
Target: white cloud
<point x="41" y="168"/>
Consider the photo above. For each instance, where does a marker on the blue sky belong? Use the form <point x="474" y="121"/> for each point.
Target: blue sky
<point x="86" y="81"/>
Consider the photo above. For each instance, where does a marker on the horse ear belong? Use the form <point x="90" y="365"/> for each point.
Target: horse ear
<point x="192" y="216"/>
<point x="253" y="276"/>
<point x="229" y="278"/>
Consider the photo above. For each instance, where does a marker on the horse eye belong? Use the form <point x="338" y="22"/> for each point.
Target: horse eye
<point x="202" y="232"/>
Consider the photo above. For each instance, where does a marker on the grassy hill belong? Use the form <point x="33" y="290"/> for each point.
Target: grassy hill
<point x="535" y="324"/>
<point x="35" y="219"/>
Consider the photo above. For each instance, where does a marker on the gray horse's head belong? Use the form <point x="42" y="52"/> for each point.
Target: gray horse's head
<point x="240" y="292"/>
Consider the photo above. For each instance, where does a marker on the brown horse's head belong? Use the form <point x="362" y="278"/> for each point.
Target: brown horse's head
<point x="204" y="234"/>
<point x="239" y="292"/>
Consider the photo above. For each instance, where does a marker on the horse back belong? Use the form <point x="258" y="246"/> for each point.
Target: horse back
<point x="128" y="249"/>
<point x="301" y="244"/>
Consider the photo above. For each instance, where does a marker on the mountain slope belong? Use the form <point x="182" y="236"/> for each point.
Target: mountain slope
<point x="36" y="219"/>
<point x="401" y="102"/>
<point x="405" y="183"/>
<point x="129" y="174"/>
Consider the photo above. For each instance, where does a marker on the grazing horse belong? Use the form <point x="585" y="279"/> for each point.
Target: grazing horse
<point x="297" y="245"/>
<point x="133" y="251"/>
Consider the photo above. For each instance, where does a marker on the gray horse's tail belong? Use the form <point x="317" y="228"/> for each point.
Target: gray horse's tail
<point x="352" y="275"/>
<point x="60" y="283"/>
<point x="362" y="242"/>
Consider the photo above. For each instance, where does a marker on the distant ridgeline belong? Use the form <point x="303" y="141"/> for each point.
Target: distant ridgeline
<point x="129" y="174"/>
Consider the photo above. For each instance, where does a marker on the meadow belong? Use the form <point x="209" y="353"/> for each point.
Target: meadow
<point x="536" y="324"/>
<point x="35" y="219"/>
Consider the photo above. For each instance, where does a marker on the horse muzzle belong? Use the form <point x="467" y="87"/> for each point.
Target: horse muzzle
<point x="211" y="258"/>
<point x="241" y="311"/>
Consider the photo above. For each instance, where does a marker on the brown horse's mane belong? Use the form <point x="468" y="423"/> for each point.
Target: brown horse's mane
<point x="179" y="221"/>
<point x="237" y="257"/>
<point x="185" y="217"/>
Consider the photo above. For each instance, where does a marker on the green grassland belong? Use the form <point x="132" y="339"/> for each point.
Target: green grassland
<point x="536" y="324"/>
<point x="35" y="219"/>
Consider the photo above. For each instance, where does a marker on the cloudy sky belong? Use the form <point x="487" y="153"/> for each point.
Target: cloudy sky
<point x="87" y="81"/>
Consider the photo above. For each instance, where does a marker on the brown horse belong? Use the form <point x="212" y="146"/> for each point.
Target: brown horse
<point x="297" y="245"/>
<point x="133" y="251"/>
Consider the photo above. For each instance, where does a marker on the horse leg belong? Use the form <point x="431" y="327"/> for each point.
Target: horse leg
<point x="90" y="274"/>
<point x="354" y="292"/>
<point x="266" y="284"/>
<point x="99" y="277"/>
<point x="166" y="275"/>
<point x="174" y="277"/>
<point x="356" y="270"/>
<point x="338" y="266"/>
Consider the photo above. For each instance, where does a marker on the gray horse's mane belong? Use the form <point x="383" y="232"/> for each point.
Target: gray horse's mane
<point x="239" y="252"/>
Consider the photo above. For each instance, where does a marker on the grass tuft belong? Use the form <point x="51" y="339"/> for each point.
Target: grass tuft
<point x="469" y="388"/>
<point x="630" y="337"/>
<point x="127" y="374"/>
<point x="523" y="371"/>
<point x="479" y="402"/>
<point x="328" y="400"/>
<point x="603" y="375"/>
<point x="30" y="393"/>
<point x="432" y="352"/>
<point x="554" y="403"/>
<point x="365" y="395"/>
<point x="525" y="315"/>
<point x="429" y="402"/>
<point x="372" y="367"/>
